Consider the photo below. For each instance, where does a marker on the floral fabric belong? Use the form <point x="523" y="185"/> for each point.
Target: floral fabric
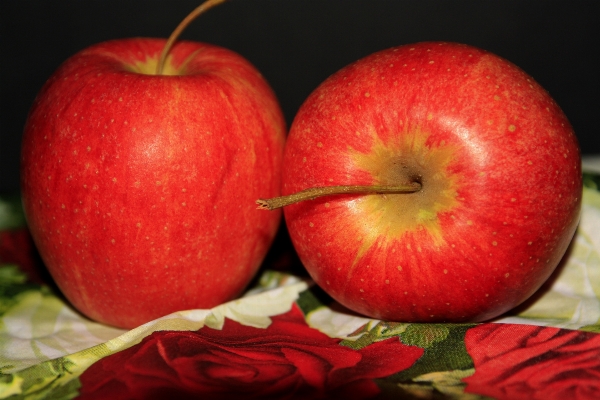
<point x="284" y="339"/>
<point x="532" y="362"/>
<point x="287" y="360"/>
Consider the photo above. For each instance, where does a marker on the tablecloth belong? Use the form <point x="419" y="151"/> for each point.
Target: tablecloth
<point x="286" y="339"/>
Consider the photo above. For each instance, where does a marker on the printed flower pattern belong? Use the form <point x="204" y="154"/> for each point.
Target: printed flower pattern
<point x="288" y="360"/>
<point x="531" y="362"/>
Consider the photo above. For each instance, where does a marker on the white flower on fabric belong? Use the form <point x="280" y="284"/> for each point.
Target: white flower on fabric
<point x="337" y="324"/>
<point x="251" y="310"/>
<point x="255" y="310"/>
<point x="41" y="327"/>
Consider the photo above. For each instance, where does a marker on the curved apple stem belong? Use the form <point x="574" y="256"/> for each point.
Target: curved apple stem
<point x="312" y="193"/>
<point x="208" y="4"/>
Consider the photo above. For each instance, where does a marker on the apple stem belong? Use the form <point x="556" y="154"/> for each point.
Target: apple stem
<point x="208" y="4"/>
<point x="312" y="193"/>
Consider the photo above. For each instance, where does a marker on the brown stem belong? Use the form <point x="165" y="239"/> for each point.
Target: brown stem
<point x="309" y="194"/>
<point x="208" y="4"/>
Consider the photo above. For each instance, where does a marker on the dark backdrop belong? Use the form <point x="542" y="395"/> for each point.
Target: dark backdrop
<point x="298" y="43"/>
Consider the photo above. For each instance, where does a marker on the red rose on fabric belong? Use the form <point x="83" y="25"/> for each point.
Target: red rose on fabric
<point x="288" y="360"/>
<point x="531" y="362"/>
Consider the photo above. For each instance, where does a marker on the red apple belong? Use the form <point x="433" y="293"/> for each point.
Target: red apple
<point x="497" y="164"/>
<point x="139" y="188"/>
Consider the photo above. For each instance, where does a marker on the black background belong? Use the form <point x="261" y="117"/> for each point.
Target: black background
<point x="296" y="44"/>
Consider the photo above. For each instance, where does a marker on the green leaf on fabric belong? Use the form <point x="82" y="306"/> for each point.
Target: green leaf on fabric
<point x="440" y="385"/>
<point x="425" y="336"/>
<point x="11" y="212"/>
<point x="374" y="332"/>
<point x="272" y="279"/>
<point x="444" y="349"/>
<point x="68" y="391"/>
<point x="591" y="181"/>
<point x="312" y="299"/>
<point x="41" y="382"/>
<point x="13" y="282"/>
<point x="591" y="328"/>
<point x="11" y="275"/>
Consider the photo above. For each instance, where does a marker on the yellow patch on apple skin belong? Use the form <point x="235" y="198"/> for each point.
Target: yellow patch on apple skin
<point x="406" y="157"/>
<point x="149" y="65"/>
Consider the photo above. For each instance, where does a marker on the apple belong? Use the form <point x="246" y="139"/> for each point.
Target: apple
<point x="139" y="187"/>
<point x="475" y="184"/>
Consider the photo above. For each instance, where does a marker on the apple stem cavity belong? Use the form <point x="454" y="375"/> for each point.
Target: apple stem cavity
<point x="312" y="193"/>
<point x="182" y="25"/>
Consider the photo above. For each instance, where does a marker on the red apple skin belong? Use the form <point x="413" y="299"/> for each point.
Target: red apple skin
<point x="501" y="184"/>
<point x="139" y="189"/>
